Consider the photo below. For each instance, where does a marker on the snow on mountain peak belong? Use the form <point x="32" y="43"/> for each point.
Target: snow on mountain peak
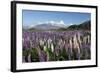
<point x="53" y="23"/>
<point x="48" y="23"/>
<point x="62" y="22"/>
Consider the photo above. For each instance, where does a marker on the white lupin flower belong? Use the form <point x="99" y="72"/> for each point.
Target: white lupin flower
<point x="44" y="48"/>
<point x="48" y="45"/>
<point x="64" y="42"/>
<point x="76" y="44"/>
<point x="79" y="39"/>
<point x="52" y="47"/>
<point x="49" y="42"/>
<point x="29" y="58"/>
<point x="31" y="43"/>
<point x="88" y="38"/>
<point x="70" y="42"/>
<point x="78" y="48"/>
<point x="41" y="42"/>
<point x="75" y="41"/>
<point x="84" y="39"/>
<point x="60" y="41"/>
<point x="44" y="40"/>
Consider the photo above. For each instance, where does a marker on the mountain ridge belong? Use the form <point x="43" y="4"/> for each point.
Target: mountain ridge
<point x="86" y="25"/>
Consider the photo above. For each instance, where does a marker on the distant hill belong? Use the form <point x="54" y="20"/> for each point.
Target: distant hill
<point x="83" y="26"/>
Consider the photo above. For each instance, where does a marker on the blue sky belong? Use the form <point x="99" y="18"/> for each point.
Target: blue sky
<point x="31" y="17"/>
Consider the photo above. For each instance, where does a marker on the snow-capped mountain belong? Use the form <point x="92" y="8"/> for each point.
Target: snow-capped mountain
<point x="48" y="25"/>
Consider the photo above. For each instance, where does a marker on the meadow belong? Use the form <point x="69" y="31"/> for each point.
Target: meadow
<point x="44" y="46"/>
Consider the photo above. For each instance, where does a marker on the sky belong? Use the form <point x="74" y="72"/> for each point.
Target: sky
<point x="33" y="17"/>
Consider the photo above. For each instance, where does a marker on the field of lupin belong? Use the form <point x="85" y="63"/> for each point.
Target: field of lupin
<point x="44" y="46"/>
